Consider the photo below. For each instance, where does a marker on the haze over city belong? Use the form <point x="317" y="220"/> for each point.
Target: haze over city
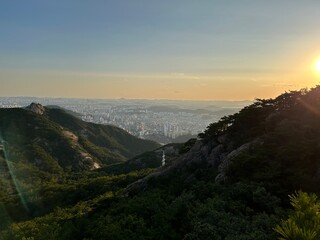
<point x="232" y="50"/>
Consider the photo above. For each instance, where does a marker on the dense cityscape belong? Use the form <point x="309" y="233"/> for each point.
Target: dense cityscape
<point x="163" y="121"/>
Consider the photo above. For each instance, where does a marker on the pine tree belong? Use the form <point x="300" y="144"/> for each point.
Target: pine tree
<point x="304" y="221"/>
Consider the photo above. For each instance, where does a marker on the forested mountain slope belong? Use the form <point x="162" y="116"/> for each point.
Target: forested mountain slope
<point x="53" y="140"/>
<point x="45" y="153"/>
<point x="230" y="183"/>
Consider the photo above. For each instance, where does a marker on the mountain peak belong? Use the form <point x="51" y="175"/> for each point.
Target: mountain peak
<point x="36" y="108"/>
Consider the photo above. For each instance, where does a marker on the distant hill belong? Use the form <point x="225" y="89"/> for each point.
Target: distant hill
<point x="53" y="140"/>
<point x="210" y="110"/>
<point x="176" y="109"/>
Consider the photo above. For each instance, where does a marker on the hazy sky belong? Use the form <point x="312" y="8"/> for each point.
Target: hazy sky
<point x="201" y="49"/>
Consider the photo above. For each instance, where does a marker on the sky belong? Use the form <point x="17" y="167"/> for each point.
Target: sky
<point x="148" y="49"/>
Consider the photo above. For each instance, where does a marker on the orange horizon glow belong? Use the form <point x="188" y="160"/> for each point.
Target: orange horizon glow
<point x="174" y="86"/>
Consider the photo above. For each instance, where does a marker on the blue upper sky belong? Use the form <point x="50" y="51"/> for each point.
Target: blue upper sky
<point x="210" y="43"/>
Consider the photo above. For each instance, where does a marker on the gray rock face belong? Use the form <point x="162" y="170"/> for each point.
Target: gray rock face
<point x="217" y="153"/>
<point x="227" y="160"/>
<point x="200" y="152"/>
<point x="36" y="108"/>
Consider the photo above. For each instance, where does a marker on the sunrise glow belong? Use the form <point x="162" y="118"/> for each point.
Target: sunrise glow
<point x="317" y="66"/>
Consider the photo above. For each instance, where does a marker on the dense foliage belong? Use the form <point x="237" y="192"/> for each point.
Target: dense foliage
<point x="172" y="210"/>
<point x="45" y="160"/>
<point x="183" y="200"/>
<point x="288" y="129"/>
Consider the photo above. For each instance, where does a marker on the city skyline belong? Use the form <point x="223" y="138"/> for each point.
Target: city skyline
<point x="212" y="50"/>
<point x="157" y="120"/>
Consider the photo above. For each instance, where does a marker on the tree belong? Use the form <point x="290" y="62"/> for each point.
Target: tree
<point x="304" y="221"/>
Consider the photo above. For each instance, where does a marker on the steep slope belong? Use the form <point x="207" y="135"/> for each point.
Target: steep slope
<point x="111" y="137"/>
<point x="273" y="142"/>
<point x="54" y="141"/>
<point x="43" y="149"/>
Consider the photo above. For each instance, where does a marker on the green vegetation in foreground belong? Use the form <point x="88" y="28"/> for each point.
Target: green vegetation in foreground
<point x="184" y="200"/>
<point x="304" y="220"/>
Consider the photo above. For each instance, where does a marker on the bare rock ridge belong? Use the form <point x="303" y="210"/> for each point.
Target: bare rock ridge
<point x="218" y="153"/>
<point x="36" y="108"/>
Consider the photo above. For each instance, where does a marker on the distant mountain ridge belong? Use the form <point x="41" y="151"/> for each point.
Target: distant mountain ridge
<point x="53" y="140"/>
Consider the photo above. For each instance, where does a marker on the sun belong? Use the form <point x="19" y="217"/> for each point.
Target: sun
<point x="317" y="66"/>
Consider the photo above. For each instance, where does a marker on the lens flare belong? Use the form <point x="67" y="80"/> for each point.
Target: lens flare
<point x="11" y="172"/>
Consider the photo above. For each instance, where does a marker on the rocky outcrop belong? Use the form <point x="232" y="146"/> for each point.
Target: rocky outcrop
<point x="216" y="153"/>
<point x="200" y="152"/>
<point x="36" y="108"/>
<point x="226" y="160"/>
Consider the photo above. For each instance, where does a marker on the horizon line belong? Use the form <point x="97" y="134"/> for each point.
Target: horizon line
<point x="132" y="99"/>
